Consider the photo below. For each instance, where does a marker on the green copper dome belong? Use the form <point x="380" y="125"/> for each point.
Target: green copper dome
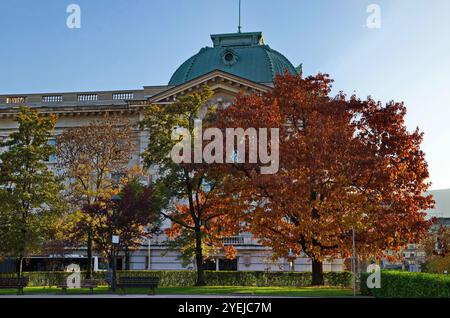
<point x="241" y="54"/>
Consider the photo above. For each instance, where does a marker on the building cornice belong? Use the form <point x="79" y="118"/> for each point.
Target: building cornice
<point x="214" y="80"/>
<point x="218" y="81"/>
<point x="88" y="110"/>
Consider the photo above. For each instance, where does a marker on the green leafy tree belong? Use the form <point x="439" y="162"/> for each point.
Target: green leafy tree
<point x="192" y="184"/>
<point x="29" y="191"/>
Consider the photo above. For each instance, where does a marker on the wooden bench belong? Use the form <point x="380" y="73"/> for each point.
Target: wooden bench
<point x="14" y="283"/>
<point x="85" y="283"/>
<point x="150" y="282"/>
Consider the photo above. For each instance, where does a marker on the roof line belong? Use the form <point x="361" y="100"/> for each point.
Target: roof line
<point x="260" y="86"/>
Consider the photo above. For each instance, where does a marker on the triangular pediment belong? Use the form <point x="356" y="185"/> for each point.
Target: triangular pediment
<point x="218" y="81"/>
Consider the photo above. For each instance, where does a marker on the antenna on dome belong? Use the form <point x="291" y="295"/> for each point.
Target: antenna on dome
<point x="239" y="27"/>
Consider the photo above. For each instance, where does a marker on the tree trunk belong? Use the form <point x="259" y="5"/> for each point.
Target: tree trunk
<point x="22" y="248"/>
<point x="199" y="259"/>
<point x="19" y="266"/>
<point x="317" y="273"/>
<point x="89" y="255"/>
<point x="317" y="265"/>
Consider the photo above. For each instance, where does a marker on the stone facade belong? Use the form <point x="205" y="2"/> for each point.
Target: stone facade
<point x="76" y="109"/>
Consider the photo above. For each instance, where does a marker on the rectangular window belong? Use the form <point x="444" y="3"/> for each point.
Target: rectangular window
<point x="210" y="264"/>
<point x="228" y="265"/>
<point x="123" y="96"/>
<point x="120" y="263"/>
<point x="52" y="157"/>
<point x="52" y="99"/>
<point x="15" y="100"/>
<point x="87" y="97"/>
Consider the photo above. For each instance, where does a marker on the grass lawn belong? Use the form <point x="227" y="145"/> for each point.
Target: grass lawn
<point x="208" y="290"/>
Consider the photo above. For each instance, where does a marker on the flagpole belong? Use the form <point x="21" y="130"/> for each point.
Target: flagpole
<point x="239" y="27"/>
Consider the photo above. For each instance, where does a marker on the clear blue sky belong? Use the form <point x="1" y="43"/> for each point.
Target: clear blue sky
<point x="125" y="44"/>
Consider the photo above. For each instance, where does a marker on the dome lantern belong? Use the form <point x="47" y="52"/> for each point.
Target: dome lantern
<point x="241" y="54"/>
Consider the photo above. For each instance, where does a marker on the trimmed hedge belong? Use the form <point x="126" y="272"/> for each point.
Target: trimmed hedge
<point x="213" y="278"/>
<point x="395" y="284"/>
<point x="50" y="278"/>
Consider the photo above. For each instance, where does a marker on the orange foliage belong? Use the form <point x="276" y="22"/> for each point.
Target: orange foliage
<point x="344" y="163"/>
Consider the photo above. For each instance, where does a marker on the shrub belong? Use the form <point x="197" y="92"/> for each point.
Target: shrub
<point x="213" y="278"/>
<point x="50" y="278"/>
<point x="395" y="284"/>
<point x="244" y="278"/>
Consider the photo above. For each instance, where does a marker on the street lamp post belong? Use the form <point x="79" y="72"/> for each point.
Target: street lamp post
<point x="354" y="261"/>
<point x="115" y="242"/>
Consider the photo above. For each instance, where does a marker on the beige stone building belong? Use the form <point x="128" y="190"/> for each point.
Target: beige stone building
<point x="236" y="62"/>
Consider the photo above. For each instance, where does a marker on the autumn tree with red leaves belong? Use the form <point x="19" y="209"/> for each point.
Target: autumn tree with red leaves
<point x="345" y="164"/>
<point x="131" y="215"/>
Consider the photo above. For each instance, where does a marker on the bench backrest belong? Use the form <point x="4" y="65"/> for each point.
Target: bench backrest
<point x="89" y="283"/>
<point x="14" y="282"/>
<point x="139" y="280"/>
<point x="85" y="283"/>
